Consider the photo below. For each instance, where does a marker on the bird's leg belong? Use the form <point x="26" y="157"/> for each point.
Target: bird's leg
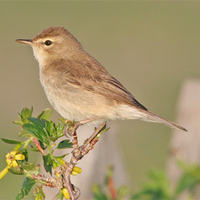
<point x="73" y="126"/>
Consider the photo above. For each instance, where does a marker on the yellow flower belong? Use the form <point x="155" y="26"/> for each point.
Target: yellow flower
<point x="11" y="161"/>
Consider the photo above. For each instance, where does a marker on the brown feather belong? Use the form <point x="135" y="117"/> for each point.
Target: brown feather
<point x="84" y="75"/>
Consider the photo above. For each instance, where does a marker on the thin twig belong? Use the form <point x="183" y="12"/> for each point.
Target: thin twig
<point x="93" y="135"/>
<point x="37" y="144"/>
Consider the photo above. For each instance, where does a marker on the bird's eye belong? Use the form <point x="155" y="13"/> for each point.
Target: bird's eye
<point x="48" y="42"/>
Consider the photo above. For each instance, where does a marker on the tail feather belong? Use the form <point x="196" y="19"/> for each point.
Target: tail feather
<point x="156" y="118"/>
<point x="130" y="112"/>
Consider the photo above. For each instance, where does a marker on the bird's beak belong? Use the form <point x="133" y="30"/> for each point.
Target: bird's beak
<point x="25" y="41"/>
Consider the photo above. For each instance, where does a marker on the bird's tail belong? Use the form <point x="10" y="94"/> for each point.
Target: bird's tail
<point x="130" y="112"/>
<point x="151" y="117"/>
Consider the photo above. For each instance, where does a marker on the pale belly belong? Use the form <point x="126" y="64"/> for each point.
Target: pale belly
<point x="79" y="105"/>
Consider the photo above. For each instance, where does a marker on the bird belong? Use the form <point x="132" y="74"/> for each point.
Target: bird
<point x="78" y="87"/>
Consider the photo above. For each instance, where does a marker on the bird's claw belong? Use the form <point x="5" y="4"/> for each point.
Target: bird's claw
<point x="71" y="128"/>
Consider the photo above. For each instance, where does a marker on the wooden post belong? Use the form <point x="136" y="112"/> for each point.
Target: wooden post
<point x="186" y="145"/>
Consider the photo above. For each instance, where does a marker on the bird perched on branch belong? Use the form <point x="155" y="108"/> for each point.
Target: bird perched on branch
<point x="79" y="87"/>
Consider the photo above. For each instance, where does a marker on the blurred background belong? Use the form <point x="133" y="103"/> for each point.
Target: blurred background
<point x="150" y="47"/>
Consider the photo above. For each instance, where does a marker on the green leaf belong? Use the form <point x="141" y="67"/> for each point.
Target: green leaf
<point x="26" y="187"/>
<point x="17" y="147"/>
<point x="24" y="133"/>
<point x="54" y="131"/>
<point x="59" y="196"/>
<point x="186" y="182"/>
<point x="31" y="167"/>
<point x="98" y="193"/>
<point x="9" y="141"/>
<point x="37" y="122"/>
<point x="36" y="132"/>
<point x="36" y="128"/>
<point x="50" y="127"/>
<point x="61" y="157"/>
<point x="104" y="129"/>
<point x="59" y="129"/>
<point x="190" y="177"/>
<point x="157" y="187"/>
<point x="16" y="170"/>
<point x="63" y="120"/>
<point x="122" y="192"/>
<point x="48" y="163"/>
<point x="46" y="114"/>
<point x="25" y="113"/>
<point x="64" y="144"/>
<point x="38" y="193"/>
<point x="19" y="122"/>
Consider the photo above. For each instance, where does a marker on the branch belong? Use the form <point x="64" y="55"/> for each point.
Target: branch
<point x="78" y="153"/>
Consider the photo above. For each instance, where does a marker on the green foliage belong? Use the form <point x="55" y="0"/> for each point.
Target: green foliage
<point x="9" y="141"/>
<point x="38" y="193"/>
<point x="64" y="144"/>
<point x="24" y="115"/>
<point x="157" y="187"/>
<point x="48" y="163"/>
<point x="26" y="187"/>
<point x="190" y="178"/>
<point x="98" y="193"/>
<point x="46" y="114"/>
<point x="40" y="134"/>
<point x="60" y="196"/>
<point x="36" y="128"/>
<point x="108" y="191"/>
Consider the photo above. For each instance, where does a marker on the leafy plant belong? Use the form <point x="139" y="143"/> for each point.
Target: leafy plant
<point x="158" y="186"/>
<point x="108" y="191"/>
<point x="40" y="133"/>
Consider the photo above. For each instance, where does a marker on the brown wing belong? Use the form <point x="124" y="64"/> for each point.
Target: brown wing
<point x="118" y="92"/>
<point x="90" y="75"/>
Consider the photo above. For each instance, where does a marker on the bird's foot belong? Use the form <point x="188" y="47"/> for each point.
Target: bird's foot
<point x="72" y="126"/>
